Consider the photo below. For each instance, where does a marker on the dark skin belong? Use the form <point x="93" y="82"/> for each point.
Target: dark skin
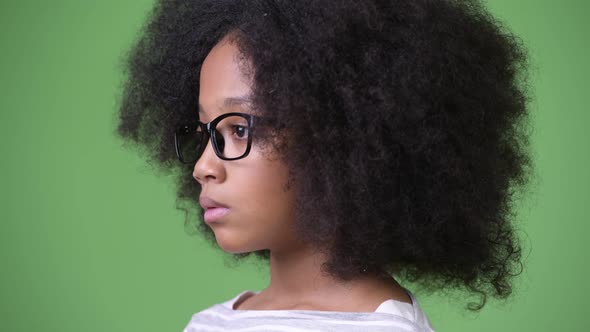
<point x="261" y="214"/>
<point x="297" y="284"/>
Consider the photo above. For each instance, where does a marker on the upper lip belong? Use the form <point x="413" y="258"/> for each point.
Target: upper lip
<point x="208" y="203"/>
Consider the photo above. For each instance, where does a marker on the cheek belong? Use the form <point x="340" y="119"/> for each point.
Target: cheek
<point x="265" y="214"/>
<point x="265" y="179"/>
<point x="263" y="206"/>
<point x="266" y="190"/>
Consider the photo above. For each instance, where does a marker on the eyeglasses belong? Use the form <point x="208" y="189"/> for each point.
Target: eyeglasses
<point x="230" y="135"/>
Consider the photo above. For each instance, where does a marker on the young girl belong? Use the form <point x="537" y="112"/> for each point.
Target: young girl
<point x="346" y="142"/>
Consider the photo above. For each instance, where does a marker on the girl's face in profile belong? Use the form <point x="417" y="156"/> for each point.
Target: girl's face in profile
<point x="260" y="207"/>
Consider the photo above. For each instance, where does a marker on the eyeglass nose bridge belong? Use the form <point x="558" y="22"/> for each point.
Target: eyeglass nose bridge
<point x="209" y="136"/>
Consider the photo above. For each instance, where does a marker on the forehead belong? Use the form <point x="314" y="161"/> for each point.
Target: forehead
<point x="222" y="83"/>
<point x="242" y="102"/>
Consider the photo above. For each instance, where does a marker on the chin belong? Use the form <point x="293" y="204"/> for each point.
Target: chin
<point x="233" y="245"/>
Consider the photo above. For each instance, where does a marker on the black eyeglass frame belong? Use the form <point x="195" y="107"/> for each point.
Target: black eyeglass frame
<point x="208" y="130"/>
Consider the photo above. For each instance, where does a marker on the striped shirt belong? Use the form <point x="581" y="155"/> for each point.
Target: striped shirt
<point x="391" y="316"/>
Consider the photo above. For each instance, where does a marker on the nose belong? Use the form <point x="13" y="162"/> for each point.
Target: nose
<point x="209" y="167"/>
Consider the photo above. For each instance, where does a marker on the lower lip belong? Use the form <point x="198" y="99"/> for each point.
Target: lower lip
<point x="214" y="214"/>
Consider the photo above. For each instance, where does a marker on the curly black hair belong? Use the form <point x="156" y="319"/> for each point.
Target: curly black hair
<point x="409" y="120"/>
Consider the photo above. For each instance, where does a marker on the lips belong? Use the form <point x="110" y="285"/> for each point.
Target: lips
<point x="214" y="214"/>
<point x="213" y="209"/>
<point x="207" y="203"/>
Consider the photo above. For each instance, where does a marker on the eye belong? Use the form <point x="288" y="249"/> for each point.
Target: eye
<point x="241" y="131"/>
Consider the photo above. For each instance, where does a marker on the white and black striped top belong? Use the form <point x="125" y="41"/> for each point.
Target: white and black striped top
<point x="391" y="316"/>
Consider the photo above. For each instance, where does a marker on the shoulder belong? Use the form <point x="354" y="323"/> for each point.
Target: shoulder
<point x="411" y="312"/>
<point x="222" y="317"/>
<point x="218" y="317"/>
<point x="230" y="304"/>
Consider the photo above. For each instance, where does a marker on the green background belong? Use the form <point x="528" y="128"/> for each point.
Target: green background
<point x="90" y="239"/>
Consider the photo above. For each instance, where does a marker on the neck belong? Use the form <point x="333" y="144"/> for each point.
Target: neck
<point x="298" y="277"/>
<point x="297" y="273"/>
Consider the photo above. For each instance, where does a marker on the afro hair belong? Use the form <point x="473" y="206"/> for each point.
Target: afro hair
<point x="409" y="119"/>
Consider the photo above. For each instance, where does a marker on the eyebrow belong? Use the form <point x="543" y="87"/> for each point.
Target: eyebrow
<point x="231" y="101"/>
